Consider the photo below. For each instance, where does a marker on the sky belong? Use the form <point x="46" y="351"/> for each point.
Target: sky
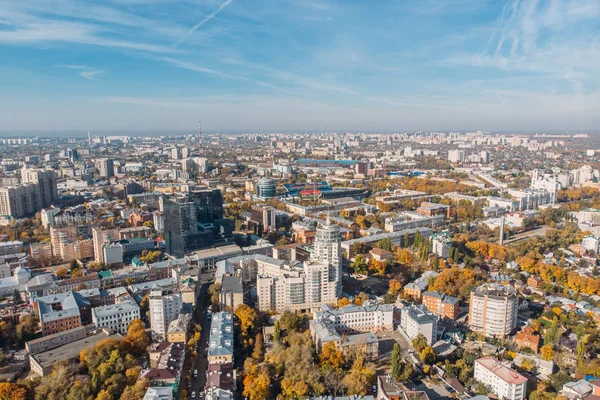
<point x="299" y="65"/>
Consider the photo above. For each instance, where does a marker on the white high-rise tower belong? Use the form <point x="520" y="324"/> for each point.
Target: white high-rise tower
<point x="327" y="250"/>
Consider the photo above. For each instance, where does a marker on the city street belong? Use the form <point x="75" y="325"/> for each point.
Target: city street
<point x="197" y="388"/>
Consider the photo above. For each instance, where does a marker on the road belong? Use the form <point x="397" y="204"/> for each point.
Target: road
<point x="541" y="231"/>
<point x="201" y="361"/>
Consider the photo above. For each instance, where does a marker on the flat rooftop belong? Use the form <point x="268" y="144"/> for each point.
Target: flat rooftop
<point x="71" y="350"/>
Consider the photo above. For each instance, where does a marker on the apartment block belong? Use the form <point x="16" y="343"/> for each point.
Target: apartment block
<point x="417" y="320"/>
<point x="165" y="306"/>
<point x="503" y="381"/>
<point x="116" y="317"/>
<point x="493" y="309"/>
<point x="220" y="344"/>
<point x="441" y="304"/>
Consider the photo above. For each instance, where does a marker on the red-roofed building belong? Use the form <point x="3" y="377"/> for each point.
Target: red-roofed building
<point x="502" y="380"/>
<point x="528" y="337"/>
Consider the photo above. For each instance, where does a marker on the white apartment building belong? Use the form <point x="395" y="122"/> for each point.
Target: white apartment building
<point x="370" y="317"/>
<point x="456" y="156"/>
<point x="112" y="253"/>
<point x="441" y="244"/>
<point x="503" y="381"/>
<point x="590" y="243"/>
<point x="493" y="309"/>
<point x="417" y="320"/>
<point x="165" y="305"/>
<point x="11" y="247"/>
<point x="283" y="287"/>
<point x="327" y="250"/>
<point x="116" y="317"/>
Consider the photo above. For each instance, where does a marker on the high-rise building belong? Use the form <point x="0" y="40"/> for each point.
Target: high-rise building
<point x="180" y="224"/>
<point x="288" y="288"/>
<point x="73" y="155"/>
<point x="485" y="157"/>
<point x="456" y="156"/>
<point x="266" y="188"/>
<point x="106" y="167"/>
<point x="493" y="309"/>
<point x="19" y="201"/>
<point x="327" y="250"/>
<point x="46" y="182"/>
<point x="195" y="221"/>
<point x="101" y="238"/>
<point x="38" y="190"/>
<point x="164" y="307"/>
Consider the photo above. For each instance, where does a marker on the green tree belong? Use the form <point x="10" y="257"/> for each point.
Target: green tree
<point x="276" y="332"/>
<point x="396" y="361"/>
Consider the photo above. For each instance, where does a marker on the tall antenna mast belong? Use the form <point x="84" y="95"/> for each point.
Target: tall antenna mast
<point x="200" y="137"/>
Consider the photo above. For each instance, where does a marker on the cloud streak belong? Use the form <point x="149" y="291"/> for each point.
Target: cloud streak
<point x="88" y="73"/>
<point x="205" y="20"/>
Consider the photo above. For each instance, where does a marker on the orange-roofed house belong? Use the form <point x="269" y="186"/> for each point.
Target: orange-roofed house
<point x="528" y="337"/>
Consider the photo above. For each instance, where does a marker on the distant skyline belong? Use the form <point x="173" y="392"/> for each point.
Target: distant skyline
<point x="299" y="65"/>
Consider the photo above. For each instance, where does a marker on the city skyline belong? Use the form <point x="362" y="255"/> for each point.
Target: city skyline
<point x="134" y="66"/>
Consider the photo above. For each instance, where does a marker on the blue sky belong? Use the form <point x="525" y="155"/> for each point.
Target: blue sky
<point x="299" y="65"/>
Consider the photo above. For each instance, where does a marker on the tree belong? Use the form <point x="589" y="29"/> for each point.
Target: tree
<point x="247" y="317"/>
<point x="291" y="322"/>
<point x="276" y="332"/>
<point x="76" y="273"/>
<point x="256" y="385"/>
<point x="150" y="256"/>
<point x="427" y="355"/>
<point x="259" y="350"/>
<point x="395" y="287"/>
<point x="136" y="336"/>
<point x="407" y="371"/>
<point x="552" y="334"/>
<point x="361" y="298"/>
<point x="360" y="265"/>
<point x="215" y="290"/>
<point x="419" y="343"/>
<point x="377" y="267"/>
<point x="547" y="352"/>
<point x="12" y="391"/>
<point x="26" y="328"/>
<point x="527" y="365"/>
<point x="384" y="244"/>
<point x="61" y="272"/>
<point x="96" y="266"/>
<point x="330" y="355"/>
<point x="359" y="378"/>
<point x="396" y="361"/>
<point x="343" y="302"/>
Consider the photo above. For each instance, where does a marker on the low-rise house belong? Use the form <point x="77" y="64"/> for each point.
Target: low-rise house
<point x="416" y="288"/>
<point x="528" y="337"/>
<point x="158" y="393"/>
<point x="381" y="254"/>
<point x="166" y="364"/>
<point x="577" y="390"/>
